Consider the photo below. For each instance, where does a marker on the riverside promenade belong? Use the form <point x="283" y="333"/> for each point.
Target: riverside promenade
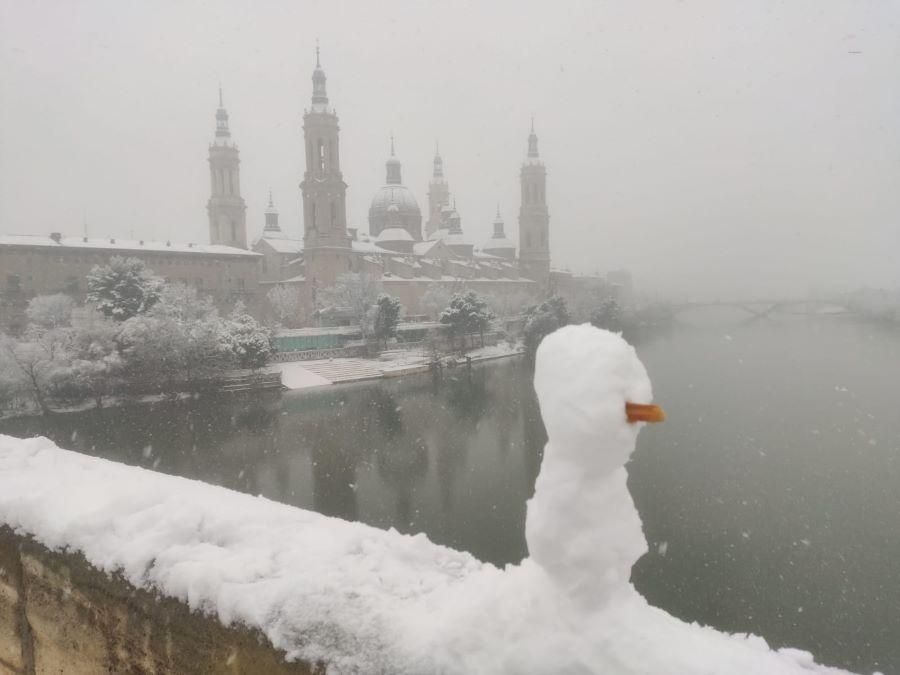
<point x="306" y="374"/>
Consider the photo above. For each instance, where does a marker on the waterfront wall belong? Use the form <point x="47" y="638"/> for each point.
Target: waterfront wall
<point x="59" y="614"/>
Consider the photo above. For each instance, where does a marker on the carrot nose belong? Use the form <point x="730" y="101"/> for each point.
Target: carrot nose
<point x="643" y="412"/>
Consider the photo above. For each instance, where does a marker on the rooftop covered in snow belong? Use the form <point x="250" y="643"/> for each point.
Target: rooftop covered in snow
<point x="57" y="241"/>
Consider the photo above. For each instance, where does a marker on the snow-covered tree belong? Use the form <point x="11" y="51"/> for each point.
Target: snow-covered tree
<point x="508" y="303"/>
<point x="182" y="303"/>
<point x="387" y="316"/>
<point x="166" y="355"/>
<point x="50" y="311"/>
<point x="466" y="314"/>
<point x="608" y="315"/>
<point x="37" y="359"/>
<point x="287" y="302"/>
<point x="10" y="377"/>
<point x="543" y="319"/>
<point x="436" y="299"/>
<point x="124" y="288"/>
<point x="249" y="341"/>
<point x="94" y="366"/>
<point x="355" y="295"/>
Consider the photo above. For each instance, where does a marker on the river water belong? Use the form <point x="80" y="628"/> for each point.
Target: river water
<point x="770" y="497"/>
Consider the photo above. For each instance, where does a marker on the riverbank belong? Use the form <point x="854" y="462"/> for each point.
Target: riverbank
<point x="398" y="363"/>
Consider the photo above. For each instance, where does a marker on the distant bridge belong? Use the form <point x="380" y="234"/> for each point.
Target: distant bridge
<point x="760" y="309"/>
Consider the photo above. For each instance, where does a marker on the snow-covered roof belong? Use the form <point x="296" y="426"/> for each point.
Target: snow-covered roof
<point x="451" y="239"/>
<point x="299" y="279"/>
<point x="393" y="234"/>
<point x="282" y="244"/>
<point x="367" y="246"/>
<point x="498" y="244"/>
<point x="124" y="245"/>
<point x="424" y="247"/>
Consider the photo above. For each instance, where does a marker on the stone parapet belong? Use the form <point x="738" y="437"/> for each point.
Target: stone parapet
<point x="58" y="614"/>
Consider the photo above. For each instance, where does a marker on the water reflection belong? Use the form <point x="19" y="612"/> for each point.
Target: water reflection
<point x="420" y="455"/>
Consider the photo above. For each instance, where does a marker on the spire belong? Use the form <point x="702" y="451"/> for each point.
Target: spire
<point x="393" y="167"/>
<point x="438" y="163"/>
<point x="222" y="131"/>
<point x="272" y="228"/>
<point x="454" y="221"/>
<point x="498" y="225"/>
<point x="319" y="97"/>
<point x="532" y="141"/>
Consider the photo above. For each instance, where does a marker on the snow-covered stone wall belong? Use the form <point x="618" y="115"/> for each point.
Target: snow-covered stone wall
<point x="59" y="614"/>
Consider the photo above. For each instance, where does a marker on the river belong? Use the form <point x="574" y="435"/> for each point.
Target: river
<point x="770" y="497"/>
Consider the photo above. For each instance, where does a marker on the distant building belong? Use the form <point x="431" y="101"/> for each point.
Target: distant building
<point x="407" y="261"/>
<point x="224" y="269"/>
<point x="38" y="265"/>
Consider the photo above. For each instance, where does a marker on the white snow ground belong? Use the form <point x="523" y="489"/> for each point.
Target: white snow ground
<point x="295" y="376"/>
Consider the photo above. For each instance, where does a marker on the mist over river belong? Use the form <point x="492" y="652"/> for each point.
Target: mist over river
<point x="770" y="497"/>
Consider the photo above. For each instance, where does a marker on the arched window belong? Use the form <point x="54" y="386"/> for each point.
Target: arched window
<point x="321" y="156"/>
<point x="314" y="214"/>
<point x="333" y="214"/>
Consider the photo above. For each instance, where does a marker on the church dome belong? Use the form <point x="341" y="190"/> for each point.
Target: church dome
<point x="393" y="193"/>
<point x="396" y="195"/>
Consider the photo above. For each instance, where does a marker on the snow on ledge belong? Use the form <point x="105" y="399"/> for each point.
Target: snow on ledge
<point x="360" y="599"/>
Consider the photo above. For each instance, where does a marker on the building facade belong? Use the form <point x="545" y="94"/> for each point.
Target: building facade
<point x="41" y="265"/>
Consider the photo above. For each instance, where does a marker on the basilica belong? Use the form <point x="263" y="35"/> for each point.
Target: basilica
<point x="407" y="256"/>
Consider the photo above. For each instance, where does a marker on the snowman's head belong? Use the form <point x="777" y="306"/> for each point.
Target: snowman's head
<point x="594" y="394"/>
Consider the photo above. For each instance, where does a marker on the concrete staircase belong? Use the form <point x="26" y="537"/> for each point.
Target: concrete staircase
<point x="344" y="370"/>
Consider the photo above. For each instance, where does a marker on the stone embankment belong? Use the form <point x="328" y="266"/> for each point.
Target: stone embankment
<point x="58" y="614"/>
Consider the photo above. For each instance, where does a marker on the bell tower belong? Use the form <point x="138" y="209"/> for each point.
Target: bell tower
<point x="323" y="187"/>
<point x="534" y="218"/>
<point x="226" y="208"/>
<point x="326" y="242"/>
<point x="438" y="195"/>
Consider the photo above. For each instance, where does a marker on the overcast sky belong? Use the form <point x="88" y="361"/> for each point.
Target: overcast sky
<point x="710" y="147"/>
